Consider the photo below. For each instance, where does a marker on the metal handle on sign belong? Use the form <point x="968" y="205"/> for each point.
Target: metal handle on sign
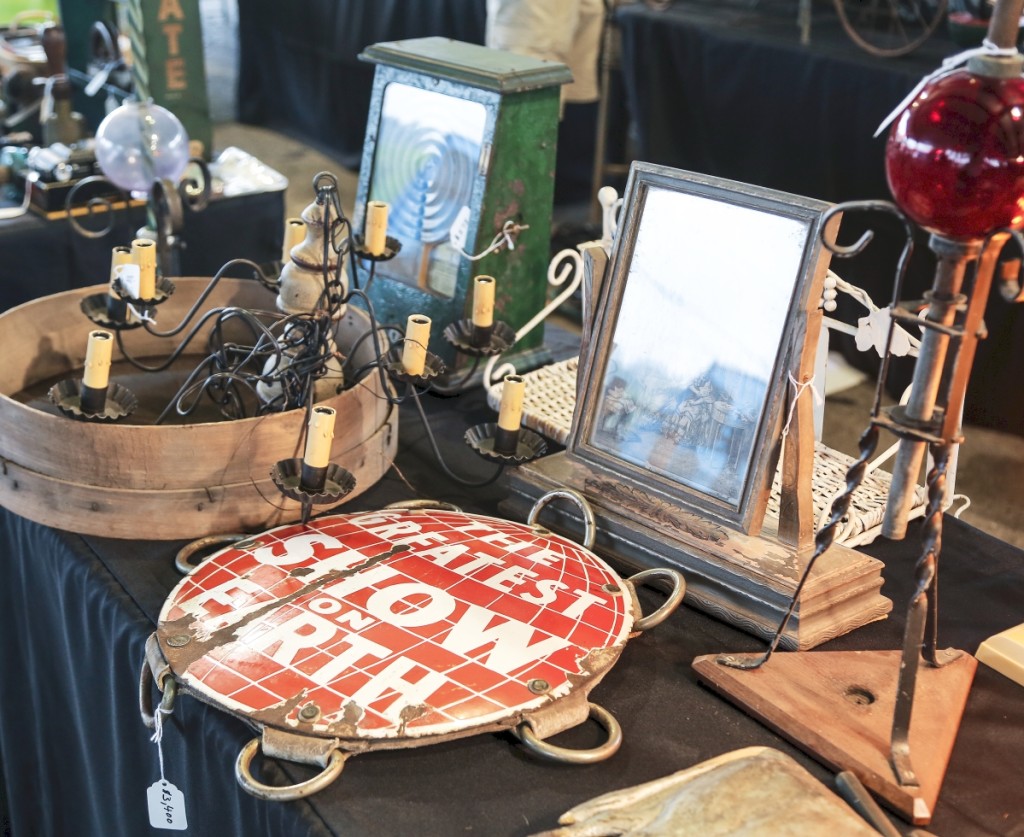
<point x="436" y="505"/>
<point x="169" y="688"/>
<point x="675" y="596"/>
<point x="181" y="561"/>
<point x="285" y="793"/>
<point x="589" y="524"/>
<point x="541" y="748"/>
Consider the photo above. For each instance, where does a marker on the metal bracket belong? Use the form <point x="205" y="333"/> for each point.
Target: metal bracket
<point x="524" y="732"/>
<point x="285" y="793"/>
<point x="675" y="596"/>
<point x="589" y="523"/>
<point x="155" y="670"/>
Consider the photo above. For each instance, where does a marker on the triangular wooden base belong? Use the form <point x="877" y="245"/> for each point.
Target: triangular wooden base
<point x="838" y="706"/>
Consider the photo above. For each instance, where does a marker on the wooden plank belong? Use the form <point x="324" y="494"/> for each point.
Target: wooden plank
<point x="249" y="506"/>
<point x="796" y="507"/>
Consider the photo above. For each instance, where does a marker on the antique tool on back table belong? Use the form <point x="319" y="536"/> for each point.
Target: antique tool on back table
<point x="954" y="167"/>
<point x="397" y="628"/>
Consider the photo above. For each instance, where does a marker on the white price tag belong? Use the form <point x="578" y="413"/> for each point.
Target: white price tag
<point x="166" y="806"/>
<point x="460" y="229"/>
<point x="129" y="275"/>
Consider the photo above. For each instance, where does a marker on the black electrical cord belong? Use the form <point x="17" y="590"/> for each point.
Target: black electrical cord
<point x="258" y="274"/>
<point x="440" y="458"/>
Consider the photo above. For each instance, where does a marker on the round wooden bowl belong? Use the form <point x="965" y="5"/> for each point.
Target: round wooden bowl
<point x="168" y="481"/>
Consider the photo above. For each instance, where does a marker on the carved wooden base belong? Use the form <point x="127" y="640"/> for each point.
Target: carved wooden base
<point x="838" y="706"/>
<point x="746" y="581"/>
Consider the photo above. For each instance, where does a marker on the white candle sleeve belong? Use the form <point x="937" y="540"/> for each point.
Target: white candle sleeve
<point x="144" y="251"/>
<point x="97" y="359"/>
<point x="119" y="255"/>
<point x="510" y="413"/>
<point x="414" y="349"/>
<point x="318" y="437"/>
<point x="294" y="234"/>
<point x="376" y="227"/>
<point x="483" y="301"/>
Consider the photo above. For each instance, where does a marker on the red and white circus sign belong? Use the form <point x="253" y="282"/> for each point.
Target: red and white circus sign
<point x="398" y="623"/>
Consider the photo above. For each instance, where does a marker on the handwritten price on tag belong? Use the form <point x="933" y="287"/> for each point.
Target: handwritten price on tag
<point x="166" y="806"/>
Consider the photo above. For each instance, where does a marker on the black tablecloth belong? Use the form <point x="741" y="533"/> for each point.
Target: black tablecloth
<point x="728" y="90"/>
<point x="75" y="612"/>
<point x="299" y="73"/>
<point x="39" y="257"/>
<point x="298" y="67"/>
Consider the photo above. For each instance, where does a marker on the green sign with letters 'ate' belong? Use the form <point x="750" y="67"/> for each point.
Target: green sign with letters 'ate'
<point x="165" y="41"/>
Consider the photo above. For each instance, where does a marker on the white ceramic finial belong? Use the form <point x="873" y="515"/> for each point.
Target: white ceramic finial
<point x="608" y="197"/>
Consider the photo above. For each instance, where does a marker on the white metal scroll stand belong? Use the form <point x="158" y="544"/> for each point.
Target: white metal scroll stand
<point x="876" y="321"/>
<point x="565" y="268"/>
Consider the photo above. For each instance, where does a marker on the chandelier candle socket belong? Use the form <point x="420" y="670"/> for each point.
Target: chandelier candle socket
<point x="376" y="227"/>
<point x="294" y="235"/>
<point x="318" y="448"/>
<point x="117" y="308"/>
<point x="96" y="374"/>
<point x="414" y="350"/>
<point x="483" y="309"/>
<point x="144" y="253"/>
<point x="510" y="414"/>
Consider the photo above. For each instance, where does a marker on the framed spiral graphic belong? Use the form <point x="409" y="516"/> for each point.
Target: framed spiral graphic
<point x="425" y="167"/>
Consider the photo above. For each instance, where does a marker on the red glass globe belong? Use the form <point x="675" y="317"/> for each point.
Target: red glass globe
<point x="955" y="156"/>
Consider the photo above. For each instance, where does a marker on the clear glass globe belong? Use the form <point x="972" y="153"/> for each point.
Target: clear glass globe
<point x="140" y="142"/>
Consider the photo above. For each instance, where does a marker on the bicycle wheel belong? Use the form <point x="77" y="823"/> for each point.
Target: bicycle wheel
<point x="890" y="27"/>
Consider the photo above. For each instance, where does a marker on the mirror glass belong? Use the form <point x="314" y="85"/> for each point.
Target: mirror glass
<point x="695" y="339"/>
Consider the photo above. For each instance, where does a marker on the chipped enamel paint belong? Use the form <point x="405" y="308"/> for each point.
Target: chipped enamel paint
<point x="395" y="624"/>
